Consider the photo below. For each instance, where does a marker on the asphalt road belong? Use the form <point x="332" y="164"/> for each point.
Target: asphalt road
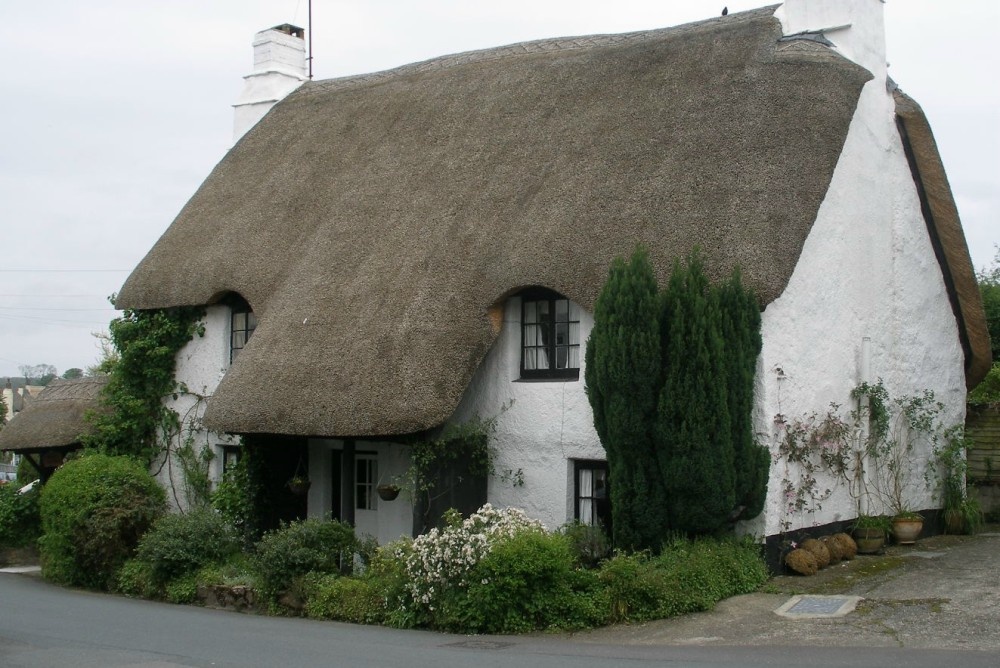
<point x="46" y="626"/>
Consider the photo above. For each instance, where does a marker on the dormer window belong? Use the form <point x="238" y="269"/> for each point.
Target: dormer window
<point x="550" y="336"/>
<point x="242" y="324"/>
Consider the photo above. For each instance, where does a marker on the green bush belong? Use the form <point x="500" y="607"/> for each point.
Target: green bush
<point x="323" y="546"/>
<point x="685" y="577"/>
<point x="589" y="543"/>
<point x="135" y="578"/>
<point x="94" y="510"/>
<point x="345" y="599"/>
<point x="20" y="523"/>
<point x="525" y="583"/>
<point x="179" y="545"/>
<point x="183" y="589"/>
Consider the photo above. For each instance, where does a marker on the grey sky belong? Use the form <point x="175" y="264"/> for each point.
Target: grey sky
<point x="114" y="111"/>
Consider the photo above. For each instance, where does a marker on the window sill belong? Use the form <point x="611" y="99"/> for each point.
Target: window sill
<point x="567" y="379"/>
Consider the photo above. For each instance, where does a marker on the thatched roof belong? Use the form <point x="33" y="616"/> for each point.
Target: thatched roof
<point x="55" y="418"/>
<point x="376" y="223"/>
<point x="945" y="230"/>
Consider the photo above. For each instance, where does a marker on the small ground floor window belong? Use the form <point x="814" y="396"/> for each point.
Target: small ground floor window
<point x="592" y="494"/>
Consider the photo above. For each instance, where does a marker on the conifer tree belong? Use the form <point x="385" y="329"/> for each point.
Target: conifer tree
<point x="740" y="313"/>
<point x="694" y="449"/>
<point x="622" y="376"/>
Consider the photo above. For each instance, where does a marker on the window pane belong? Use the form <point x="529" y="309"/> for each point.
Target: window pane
<point x="542" y="359"/>
<point x="529" y="359"/>
<point x="239" y="339"/>
<point x="586" y="482"/>
<point x="543" y="312"/>
<point x="530" y="312"/>
<point x="562" y="334"/>
<point x="586" y="511"/>
<point x="561" y="357"/>
<point x="251" y="322"/>
<point x="574" y="357"/>
<point x="239" y="321"/>
<point x="562" y="310"/>
<point x="574" y="311"/>
<point x="574" y="333"/>
<point x="600" y="484"/>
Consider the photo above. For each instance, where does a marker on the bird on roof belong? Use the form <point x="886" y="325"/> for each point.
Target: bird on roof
<point x="725" y="10"/>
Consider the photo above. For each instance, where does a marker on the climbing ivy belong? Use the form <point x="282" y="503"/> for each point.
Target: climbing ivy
<point x="147" y="342"/>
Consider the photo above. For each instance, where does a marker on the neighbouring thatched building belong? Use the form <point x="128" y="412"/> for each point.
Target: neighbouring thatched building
<point x="390" y="240"/>
<point x="54" y="422"/>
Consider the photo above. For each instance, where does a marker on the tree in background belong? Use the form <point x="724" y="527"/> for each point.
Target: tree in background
<point x="38" y="374"/>
<point x="988" y="391"/>
<point x="73" y="373"/>
<point x="670" y="380"/>
<point x="623" y="374"/>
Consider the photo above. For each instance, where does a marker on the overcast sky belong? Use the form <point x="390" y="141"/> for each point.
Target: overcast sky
<point x="114" y="111"/>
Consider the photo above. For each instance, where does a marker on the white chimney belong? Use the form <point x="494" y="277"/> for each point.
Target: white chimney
<point x="856" y="28"/>
<point x="279" y="67"/>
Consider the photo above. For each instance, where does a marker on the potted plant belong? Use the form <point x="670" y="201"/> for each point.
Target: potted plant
<point x="869" y="533"/>
<point x="387" y="492"/>
<point x="906" y="526"/>
<point x="299" y="484"/>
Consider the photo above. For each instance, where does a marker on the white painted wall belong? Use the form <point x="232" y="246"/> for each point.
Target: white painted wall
<point x="548" y="426"/>
<point x="867" y="269"/>
<point x="279" y="68"/>
<point x="390" y="519"/>
<point x="201" y="363"/>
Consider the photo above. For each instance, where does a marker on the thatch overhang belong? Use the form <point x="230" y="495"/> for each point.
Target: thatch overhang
<point x="55" y="419"/>
<point x="945" y="230"/>
<point x="376" y="223"/>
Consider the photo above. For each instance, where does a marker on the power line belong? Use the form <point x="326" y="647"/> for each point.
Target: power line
<point x="30" y="271"/>
<point x="42" y="308"/>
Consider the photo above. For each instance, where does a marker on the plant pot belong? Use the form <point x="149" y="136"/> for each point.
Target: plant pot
<point x="869" y="539"/>
<point x="905" y="529"/>
<point x="387" y="492"/>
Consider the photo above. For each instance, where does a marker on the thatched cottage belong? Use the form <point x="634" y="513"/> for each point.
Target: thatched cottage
<point x="53" y="423"/>
<point x="417" y="246"/>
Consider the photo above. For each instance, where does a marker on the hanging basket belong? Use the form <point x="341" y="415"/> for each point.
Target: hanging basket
<point x="387" y="492"/>
<point x="299" y="486"/>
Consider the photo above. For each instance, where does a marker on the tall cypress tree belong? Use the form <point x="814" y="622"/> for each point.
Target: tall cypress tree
<point x="695" y="449"/>
<point x="622" y="376"/>
<point x="740" y="314"/>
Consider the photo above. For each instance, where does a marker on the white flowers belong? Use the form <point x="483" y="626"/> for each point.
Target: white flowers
<point x="443" y="558"/>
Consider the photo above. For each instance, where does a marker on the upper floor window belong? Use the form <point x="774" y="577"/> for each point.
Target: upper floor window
<point x="242" y="324"/>
<point x="550" y="335"/>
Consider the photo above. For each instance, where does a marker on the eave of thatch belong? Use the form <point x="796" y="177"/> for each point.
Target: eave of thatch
<point x="55" y="418"/>
<point x="947" y="237"/>
<point x="373" y="222"/>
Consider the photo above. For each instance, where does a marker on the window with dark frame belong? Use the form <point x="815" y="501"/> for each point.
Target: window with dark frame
<point x="550" y="336"/>
<point x="365" y="478"/>
<point x="592" y="494"/>
<point x="230" y="458"/>
<point x="242" y="324"/>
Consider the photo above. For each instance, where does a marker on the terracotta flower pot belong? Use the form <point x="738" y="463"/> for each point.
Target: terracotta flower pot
<point x="869" y="539"/>
<point x="906" y="529"/>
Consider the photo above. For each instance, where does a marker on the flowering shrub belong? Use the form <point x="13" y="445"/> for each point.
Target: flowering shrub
<point x="442" y="558"/>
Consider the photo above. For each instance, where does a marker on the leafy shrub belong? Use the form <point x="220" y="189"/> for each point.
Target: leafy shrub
<point x="441" y="559"/>
<point x="345" y="599"/>
<point x="135" y="578"/>
<point x="526" y="582"/>
<point x="323" y="546"/>
<point x="94" y="510"/>
<point x="20" y="523"/>
<point x="588" y="542"/>
<point x="685" y="577"/>
<point x="179" y="545"/>
<point x="183" y="589"/>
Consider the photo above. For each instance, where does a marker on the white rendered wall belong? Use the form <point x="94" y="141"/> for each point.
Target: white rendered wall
<point x="201" y="363"/>
<point x="390" y="519"/>
<point x="867" y="270"/>
<point x="279" y="68"/>
<point x="548" y="426"/>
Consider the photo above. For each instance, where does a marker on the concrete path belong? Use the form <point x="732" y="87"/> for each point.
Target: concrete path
<point x="942" y="593"/>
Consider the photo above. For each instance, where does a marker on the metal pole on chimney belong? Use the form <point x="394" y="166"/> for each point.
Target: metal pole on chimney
<point x="310" y="21"/>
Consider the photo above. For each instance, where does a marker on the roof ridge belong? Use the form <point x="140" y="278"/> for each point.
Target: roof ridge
<point x="544" y="45"/>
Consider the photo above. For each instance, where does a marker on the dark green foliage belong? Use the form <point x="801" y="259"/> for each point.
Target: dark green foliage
<point x="135" y="578"/>
<point x="178" y="545"/>
<point x="297" y="548"/>
<point x="988" y="391"/>
<point x="142" y="376"/>
<point x="25" y="472"/>
<point x="685" y="577"/>
<point x="623" y="373"/>
<point x="695" y="449"/>
<point x="94" y="510"/>
<point x="670" y="380"/>
<point x="20" y="523"/>
<point x="238" y="498"/>
<point x="526" y="583"/>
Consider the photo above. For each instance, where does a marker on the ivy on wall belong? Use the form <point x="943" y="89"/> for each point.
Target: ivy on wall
<point x="147" y="342"/>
